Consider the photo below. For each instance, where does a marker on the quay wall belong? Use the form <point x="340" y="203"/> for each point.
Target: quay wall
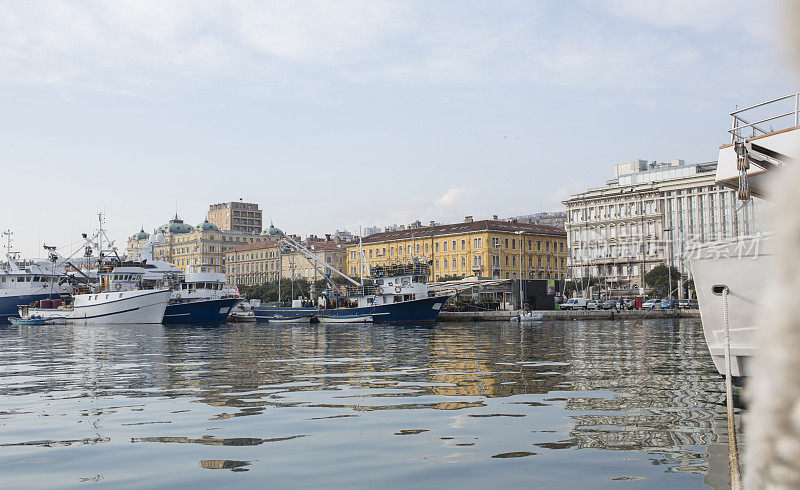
<point x="488" y="316"/>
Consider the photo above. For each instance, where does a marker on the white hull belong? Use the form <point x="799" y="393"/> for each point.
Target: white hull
<point x="345" y="319"/>
<point x="743" y="266"/>
<point x="141" y="306"/>
<point x="301" y="319"/>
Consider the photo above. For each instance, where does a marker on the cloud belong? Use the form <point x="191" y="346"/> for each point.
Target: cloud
<point x="137" y="46"/>
<point x="455" y="196"/>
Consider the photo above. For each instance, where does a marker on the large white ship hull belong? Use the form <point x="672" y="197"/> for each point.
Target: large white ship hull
<point x="743" y="266"/>
<point x="141" y="306"/>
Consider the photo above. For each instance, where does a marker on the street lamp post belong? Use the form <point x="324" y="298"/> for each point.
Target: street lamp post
<point x="519" y="233"/>
<point x="669" y="263"/>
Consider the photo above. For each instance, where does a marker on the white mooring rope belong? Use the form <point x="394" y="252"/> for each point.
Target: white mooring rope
<point x="733" y="452"/>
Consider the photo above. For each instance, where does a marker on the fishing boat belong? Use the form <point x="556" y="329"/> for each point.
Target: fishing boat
<point x="198" y="296"/>
<point x="201" y="297"/>
<point x="22" y="283"/>
<point x="733" y="274"/>
<point x="399" y="295"/>
<point x="118" y="299"/>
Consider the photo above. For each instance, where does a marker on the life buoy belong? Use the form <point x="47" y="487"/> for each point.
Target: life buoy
<point x="397" y="289"/>
<point x="118" y="287"/>
<point x="178" y="296"/>
<point x="380" y="290"/>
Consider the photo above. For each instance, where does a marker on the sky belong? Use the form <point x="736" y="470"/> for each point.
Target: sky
<point x="345" y="114"/>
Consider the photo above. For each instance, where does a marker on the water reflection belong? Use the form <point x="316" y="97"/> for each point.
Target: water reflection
<point x="456" y="393"/>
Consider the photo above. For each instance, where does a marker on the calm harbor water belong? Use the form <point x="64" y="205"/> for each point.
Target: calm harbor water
<point x="599" y="404"/>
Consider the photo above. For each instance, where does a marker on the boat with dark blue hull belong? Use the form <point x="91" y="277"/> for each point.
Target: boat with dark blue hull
<point x="399" y="295"/>
<point x="23" y="284"/>
<point x="200" y="310"/>
<point x="9" y="305"/>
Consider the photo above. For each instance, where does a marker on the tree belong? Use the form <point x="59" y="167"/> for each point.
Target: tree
<point x="658" y="279"/>
<point x="580" y="285"/>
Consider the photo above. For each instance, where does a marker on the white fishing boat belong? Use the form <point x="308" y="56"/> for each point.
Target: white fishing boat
<point x="111" y="306"/>
<point x="733" y="274"/>
<point x="121" y="296"/>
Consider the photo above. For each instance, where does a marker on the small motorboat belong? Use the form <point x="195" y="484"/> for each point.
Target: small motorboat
<point x="528" y="316"/>
<point x="289" y="319"/>
<point x="344" y="318"/>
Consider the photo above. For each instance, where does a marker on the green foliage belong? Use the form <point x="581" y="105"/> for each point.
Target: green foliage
<point x="659" y="280"/>
<point x="449" y="277"/>
<point x="581" y="285"/>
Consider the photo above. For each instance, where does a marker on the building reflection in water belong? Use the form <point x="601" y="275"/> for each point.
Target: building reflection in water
<point x="645" y="387"/>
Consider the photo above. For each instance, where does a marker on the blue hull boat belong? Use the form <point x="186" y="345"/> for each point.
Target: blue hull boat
<point x="200" y="311"/>
<point x="9" y="305"/>
<point x="414" y="311"/>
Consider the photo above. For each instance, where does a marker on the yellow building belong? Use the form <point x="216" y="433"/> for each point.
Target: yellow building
<point x="485" y="248"/>
<point x="198" y="248"/>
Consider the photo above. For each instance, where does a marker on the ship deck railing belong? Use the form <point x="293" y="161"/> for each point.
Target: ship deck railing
<point x="774" y="111"/>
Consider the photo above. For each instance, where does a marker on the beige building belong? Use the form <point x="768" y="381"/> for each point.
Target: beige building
<point x="254" y="263"/>
<point x="297" y="265"/>
<point x="650" y="214"/>
<point x="237" y="216"/>
<point x="198" y="248"/>
<point x="487" y="248"/>
<point x="258" y="263"/>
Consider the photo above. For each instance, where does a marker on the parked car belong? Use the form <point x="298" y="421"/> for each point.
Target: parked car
<point x="628" y="304"/>
<point x="574" y="304"/>
<point x="667" y="304"/>
<point x="650" y="303"/>
<point x="687" y="304"/>
<point x="593" y="304"/>
<point x="611" y="304"/>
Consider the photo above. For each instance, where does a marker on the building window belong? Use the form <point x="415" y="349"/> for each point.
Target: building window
<point x="463" y="244"/>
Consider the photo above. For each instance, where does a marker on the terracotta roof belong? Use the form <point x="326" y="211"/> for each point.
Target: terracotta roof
<point x="482" y="225"/>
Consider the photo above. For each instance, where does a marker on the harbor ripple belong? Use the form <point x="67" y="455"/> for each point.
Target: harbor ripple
<point x="557" y="404"/>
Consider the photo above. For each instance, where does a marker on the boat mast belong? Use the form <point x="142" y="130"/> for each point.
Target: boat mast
<point x="12" y="264"/>
<point x="360" y="260"/>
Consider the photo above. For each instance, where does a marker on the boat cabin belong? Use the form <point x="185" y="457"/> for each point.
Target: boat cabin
<point x="396" y="283"/>
<point x="122" y="279"/>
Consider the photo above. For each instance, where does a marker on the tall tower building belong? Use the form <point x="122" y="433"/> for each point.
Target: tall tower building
<point x="244" y="217"/>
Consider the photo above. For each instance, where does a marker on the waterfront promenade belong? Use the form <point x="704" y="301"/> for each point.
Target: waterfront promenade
<point x="506" y="315"/>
